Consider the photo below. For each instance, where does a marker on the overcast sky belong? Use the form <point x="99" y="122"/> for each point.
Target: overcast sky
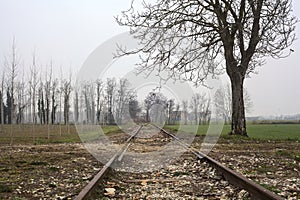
<point x="67" y="31"/>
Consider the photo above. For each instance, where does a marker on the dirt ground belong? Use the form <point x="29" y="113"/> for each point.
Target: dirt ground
<point x="60" y="171"/>
<point x="273" y="164"/>
<point x="56" y="171"/>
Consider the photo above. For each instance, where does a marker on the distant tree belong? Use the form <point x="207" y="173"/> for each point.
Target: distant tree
<point x="76" y="106"/>
<point x="41" y="104"/>
<point x="110" y="99"/>
<point x="53" y="101"/>
<point x="223" y="102"/>
<point x="67" y="88"/>
<point x="148" y="103"/>
<point x="33" y="84"/>
<point x="20" y="104"/>
<point x="47" y="89"/>
<point x="122" y="99"/>
<point x="86" y="90"/>
<point x="8" y="111"/>
<point x="185" y="111"/>
<point x="134" y="108"/>
<point x="2" y="108"/>
<point x="206" y="112"/>
<point x="160" y="102"/>
<point x="190" y="39"/>
<point x="12" y="63"/>
<point x="170" y="109"/>
<point x="196" y="104"/>
<point x="177" y="115"/>
<point x="99" y="103"/>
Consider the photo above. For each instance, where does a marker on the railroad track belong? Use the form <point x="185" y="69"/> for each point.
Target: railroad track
<point x="87" y="191"/>
<point x="256" y="191"/>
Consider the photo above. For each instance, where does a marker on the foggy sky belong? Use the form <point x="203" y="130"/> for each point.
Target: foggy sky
<point x="67" y="31"/>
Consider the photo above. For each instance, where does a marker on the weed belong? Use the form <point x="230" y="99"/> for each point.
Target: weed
<point x="283" y="153"/>
<point x="271" y="188"/>
<point x="5" y="189"/>
<point x="297" y="158"/>
<point x="180" y="173"/>
<point x="54" y="169"/>
<point x="265" y="169"/>
<point x="250" y="172"/>
<point x="52" y="185"/>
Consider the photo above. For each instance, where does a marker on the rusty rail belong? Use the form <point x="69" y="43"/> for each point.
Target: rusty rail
<point x="255" y="190"/>
<point x="87" y="191"/>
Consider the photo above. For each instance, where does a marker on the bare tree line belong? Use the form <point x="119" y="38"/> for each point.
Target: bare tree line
<point x="41" y="97"/>
<point x="33" y="96"/>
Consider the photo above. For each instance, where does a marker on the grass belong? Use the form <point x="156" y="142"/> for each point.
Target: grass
<point x="44" y="134"/>
<point x="288" y="154"/>
<point x="255" y="131"/>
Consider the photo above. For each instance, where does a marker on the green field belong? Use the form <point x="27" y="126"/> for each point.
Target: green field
<point x="43" y="134"/>
<point x="255" y="131"/>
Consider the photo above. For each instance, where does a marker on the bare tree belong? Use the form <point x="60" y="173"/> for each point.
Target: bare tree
<point x="67" y="88"/>
<point x="41" y="104"/>
<point x="76" y="106"/>
<point x="20" y="103"/>
<point x="86" y="91"/>
<point x="123" y="97"/>
<point x="206" y="112"/>
<point x="110" y="93"/>
<point x="134" y="109"/>
<point x="12" y="64"/>
<point x="1" y="109"/>
<point x="53" y="101"/>
<point x="185" y="111"/>
<point x="170" y="110"/>
<point x="148" y="103"/>
<point x="47" y="88"/>
<point x="190" y="39"/>
<point x="196" y="105"/>
<point x="100" y="87"/>
<point x="2" y="99"/>
<point x="155" y="102"/>
<point x="223" y="102"/>
<point x="176" y="115"/>
<point x="33" y="83"/>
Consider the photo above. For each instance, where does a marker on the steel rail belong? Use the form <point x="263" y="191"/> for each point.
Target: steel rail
<point x="255" y="190"/>
<point x="87" y="191"/>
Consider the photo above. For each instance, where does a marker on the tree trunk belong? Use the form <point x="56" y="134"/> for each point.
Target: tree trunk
<point x="238" y="123"/>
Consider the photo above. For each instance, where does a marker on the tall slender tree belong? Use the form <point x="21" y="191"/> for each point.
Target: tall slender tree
<point x="33" y="84"/>
<point x="185" y="111"/>
<point x="12" y="63"/>
<point x="2" y="100"/>
<point x="100" y="87"/>
<point x="110" y="97"/>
